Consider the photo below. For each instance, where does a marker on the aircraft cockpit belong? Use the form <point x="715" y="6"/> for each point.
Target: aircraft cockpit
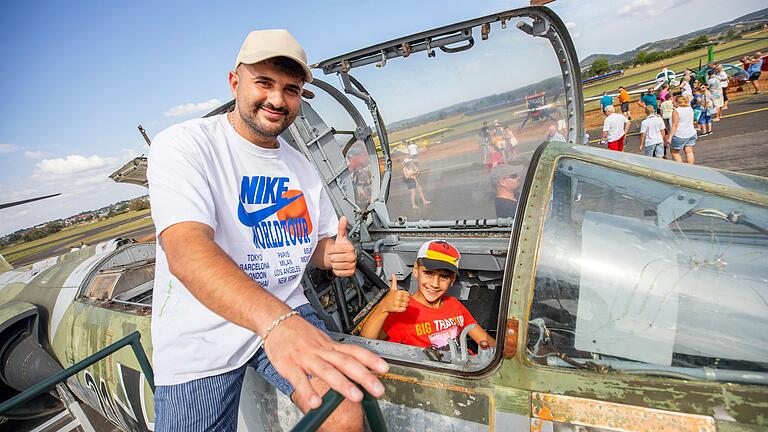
<point x="123" y="281"/>
<point x="431" y="136"/>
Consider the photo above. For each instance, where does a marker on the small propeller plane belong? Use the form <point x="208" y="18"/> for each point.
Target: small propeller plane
<point x="626" y="293"/>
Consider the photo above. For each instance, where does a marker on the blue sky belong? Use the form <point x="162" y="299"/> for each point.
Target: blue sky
<point x="78" y="77"/>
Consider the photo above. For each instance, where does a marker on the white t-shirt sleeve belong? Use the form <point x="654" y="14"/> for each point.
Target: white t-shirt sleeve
<point x="644" y="126"/>
<point x="328" y="225"/>
<point x="178" y="187"/>
<point x="606" y="125"/>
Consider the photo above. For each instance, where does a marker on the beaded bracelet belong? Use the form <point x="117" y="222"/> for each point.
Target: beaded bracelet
<point x="276" y="322"/>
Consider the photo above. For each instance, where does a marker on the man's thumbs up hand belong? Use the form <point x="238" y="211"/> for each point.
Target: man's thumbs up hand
<point x="341" y="234"/>
<point x="341" y="252"/>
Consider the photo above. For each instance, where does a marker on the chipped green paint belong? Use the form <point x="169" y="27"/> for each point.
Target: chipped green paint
<point x="102" y="327"/>
<point x="747" y="404"/>
<point x="441" y="398"/>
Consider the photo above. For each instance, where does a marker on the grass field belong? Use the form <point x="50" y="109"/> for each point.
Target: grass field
<point x="118" y="230"/>
<point x="72" y="236"/>
<point x="649" y="71"/>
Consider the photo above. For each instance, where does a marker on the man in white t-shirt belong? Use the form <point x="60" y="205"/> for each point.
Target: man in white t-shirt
<point x="615" y="128"/>
<point x="239" y="214"/>
<point x="413" y="150"/>
<point x="653" y="132"/>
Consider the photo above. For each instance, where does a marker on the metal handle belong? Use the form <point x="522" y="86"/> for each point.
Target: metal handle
<point x="331" y="401"/>
<point x="48" y="383"/>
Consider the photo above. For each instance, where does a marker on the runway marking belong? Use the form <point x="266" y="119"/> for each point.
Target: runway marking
<point x="725" y="116"/>
<point x="745" y="112"/>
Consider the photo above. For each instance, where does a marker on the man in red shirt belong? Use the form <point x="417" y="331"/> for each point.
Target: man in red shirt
<point x="428" y="317"/>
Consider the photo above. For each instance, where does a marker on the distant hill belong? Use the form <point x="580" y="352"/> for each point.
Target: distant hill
<point x="666" y="44"/>
<point x="555" y="84"/>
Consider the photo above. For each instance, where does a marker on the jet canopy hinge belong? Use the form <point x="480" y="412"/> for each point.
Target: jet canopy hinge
<point x="362" y="133"/>
<point x="675" y="206"/>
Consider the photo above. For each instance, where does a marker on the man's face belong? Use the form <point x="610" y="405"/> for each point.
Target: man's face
<point x="433" y="283"/>
<point x="267" y="100"/>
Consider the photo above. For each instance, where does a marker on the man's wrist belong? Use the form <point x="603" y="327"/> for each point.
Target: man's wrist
<point x="277" y="322"/>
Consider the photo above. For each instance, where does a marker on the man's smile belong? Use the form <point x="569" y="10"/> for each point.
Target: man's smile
<point x="269" y="112"/>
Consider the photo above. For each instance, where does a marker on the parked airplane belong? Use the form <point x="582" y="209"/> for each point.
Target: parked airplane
<point x="625" y="294"/>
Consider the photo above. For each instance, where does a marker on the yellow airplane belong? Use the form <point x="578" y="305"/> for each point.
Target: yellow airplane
<point x="421" y="140"/>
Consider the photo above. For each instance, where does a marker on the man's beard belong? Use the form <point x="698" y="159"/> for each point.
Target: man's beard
<point x="259" y="127"/>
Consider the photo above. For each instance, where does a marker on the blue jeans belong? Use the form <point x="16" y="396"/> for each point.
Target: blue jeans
<point x="655" y="150"/>
<point x="680" y="143"/>
<point x="211" y="403"/>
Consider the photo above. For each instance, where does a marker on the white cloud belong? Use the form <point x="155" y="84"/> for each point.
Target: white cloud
<point x="7" y="148"/>
<point x="35" y="154"/>
<point x="73" y="164"/>
<point x="127" y="154"/>
<point x="570" y="24"/>
<point x="648" y="8"/>
<point x="191" y="108"/>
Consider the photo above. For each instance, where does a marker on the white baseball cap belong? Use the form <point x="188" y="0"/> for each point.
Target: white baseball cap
<point x="261" y="45"/>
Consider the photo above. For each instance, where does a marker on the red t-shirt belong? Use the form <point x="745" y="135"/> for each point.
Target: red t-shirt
<point x="424" y="326"/>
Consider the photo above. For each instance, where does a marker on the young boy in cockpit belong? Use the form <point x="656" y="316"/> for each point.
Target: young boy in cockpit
<point x="428" y="317"/>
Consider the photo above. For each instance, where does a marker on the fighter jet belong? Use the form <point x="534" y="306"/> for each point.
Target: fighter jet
<point x="625" y="293"/>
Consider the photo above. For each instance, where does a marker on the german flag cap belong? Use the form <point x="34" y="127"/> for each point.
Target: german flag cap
<point x="439" y="254"/>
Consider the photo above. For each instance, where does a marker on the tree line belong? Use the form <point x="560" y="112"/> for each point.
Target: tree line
<point x="602" y="66"/>
<point x="38" y="232"/>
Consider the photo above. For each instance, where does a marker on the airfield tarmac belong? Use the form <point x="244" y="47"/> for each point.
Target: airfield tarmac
<point x="739" y="142"/>
<point x="457" y="183"/>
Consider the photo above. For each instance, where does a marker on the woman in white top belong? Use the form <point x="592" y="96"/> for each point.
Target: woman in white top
<point x="723" y="77"/>
<point x="682" y="135"/>
<point x="685" y="85"/>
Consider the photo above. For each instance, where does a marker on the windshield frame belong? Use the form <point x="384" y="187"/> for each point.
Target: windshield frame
<point x="546" y="24"/>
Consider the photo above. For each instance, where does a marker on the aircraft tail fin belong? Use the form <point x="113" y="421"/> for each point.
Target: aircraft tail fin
<point x="4" y="266"/>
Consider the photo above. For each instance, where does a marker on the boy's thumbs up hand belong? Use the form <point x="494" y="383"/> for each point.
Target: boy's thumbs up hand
<point x="341" y="252"/>
<point x="396" y="300"/>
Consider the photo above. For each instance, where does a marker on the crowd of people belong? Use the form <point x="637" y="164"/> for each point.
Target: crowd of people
<point x="498" y="143"/>
<point x="678" y="113"/>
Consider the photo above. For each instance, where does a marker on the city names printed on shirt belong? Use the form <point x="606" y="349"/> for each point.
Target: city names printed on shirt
<point x="284" y="272"/>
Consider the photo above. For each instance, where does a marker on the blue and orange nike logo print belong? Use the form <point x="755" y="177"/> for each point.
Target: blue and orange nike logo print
<point x="251" y="219"/>
<point x="292" y="225"/>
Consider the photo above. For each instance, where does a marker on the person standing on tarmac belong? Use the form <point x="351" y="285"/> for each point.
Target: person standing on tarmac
<point x="723" y="77"/>
<point x="239" y="214"/>
<point x="615" y="128"/>
<point x="624" y="101"/>
<point x="682" y="135"/>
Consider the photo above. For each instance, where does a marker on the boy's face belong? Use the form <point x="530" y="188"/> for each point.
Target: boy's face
<point x="433" y="283"/>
